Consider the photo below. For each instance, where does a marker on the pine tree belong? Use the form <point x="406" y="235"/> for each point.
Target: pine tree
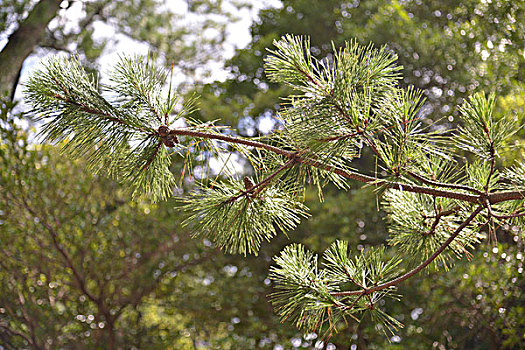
<point x="440" y="203"/>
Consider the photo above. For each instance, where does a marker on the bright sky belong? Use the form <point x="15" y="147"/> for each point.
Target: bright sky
<point x="238" y="36"/>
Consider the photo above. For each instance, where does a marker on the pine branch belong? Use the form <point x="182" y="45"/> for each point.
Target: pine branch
<point x="231" y="139"/>
<point x="444" y="185"/>
<point x="494" y="197"/>
<point x="304" y="292"/>
<point x="342" y="104"/>
<point x="416" y="270"/>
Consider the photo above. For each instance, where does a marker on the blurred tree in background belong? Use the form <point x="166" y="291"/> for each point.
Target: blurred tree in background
<point x="188" y="35"/>
<point x="78" y="258"/>
<point x="152" y="287"/>
<point x="448" y="49"/>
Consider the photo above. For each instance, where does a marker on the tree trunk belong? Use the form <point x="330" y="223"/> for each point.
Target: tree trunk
<point x="111" y="333"/>
<point x="22" y="42"/>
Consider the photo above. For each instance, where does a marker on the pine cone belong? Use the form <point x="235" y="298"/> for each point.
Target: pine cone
<point x="248" y="183"/>
<point x="168" y="139"/>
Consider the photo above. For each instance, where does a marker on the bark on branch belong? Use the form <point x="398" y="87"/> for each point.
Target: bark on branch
<point x="22" y="42"/>
<point x="458" y="193"/>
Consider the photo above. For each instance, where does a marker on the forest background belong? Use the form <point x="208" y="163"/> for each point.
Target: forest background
<point x="84" y="266"/>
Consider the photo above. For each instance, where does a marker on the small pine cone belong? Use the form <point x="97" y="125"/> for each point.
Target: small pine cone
<point x="248" y="183"/>
<point x="163" y="131"/>
<point x="168" y="139"/>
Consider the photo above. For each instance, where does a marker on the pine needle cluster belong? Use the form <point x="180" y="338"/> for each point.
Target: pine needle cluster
<point x="247" y="220"/>
<point x="309" y="295"/>
<point x="113" y="126"/>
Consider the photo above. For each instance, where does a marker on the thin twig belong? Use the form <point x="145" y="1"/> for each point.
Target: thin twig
<point x="509" y="216"/>
<point x="414" y="271"/>
<point x="152" y="157"/>
<point x="265" y="182"/>
<point x="492" y="166"/>
<point x="437" y="219"/>
<point x="441" y="184"/>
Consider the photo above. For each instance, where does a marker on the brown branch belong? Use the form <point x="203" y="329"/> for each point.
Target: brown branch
<point x="504" y="196"/>
<point x="56" y="47"/>
<point x="256" y="144"/>
<point x="355" y="301"/>
<point x="265" y="182"/>
<point x="493" y="198"/>
<point x="23" y="41"/>
<point x="438" y="217"/>
<point x="152" y="157"/>
<point x="344" y="173"/>
<point x="79" y="278"/>
<point x="84" y="23"/>
<point x="29" y="320"/>
<point x="515" y="214"/>
<point x="414" y="271"/>
<point x="441" y="184"/>
<point x="509" y="216"/>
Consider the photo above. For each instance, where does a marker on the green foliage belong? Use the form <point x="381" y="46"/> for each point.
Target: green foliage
<point x="245" y="220"/>
<point x="479" y="174"/>
<point x="136" y="255"/>
<point x="516" y="176"/>
<point x="339" y="106"/>
<point x="448" y="49"/>
<point x="354" y="70"/>
<point x="478" y="304"/>
<point x="482" y="134"/>
<point x="118" y="136"/>
<point x="339" y="100"/>
<point x="421" y="224"/>
<point x="406" y="142"/>
<point x="78" y="257"/>
<point x="305" y="294"/>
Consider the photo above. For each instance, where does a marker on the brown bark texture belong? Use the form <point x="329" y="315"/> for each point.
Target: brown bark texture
<point x="22" y="42"/>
